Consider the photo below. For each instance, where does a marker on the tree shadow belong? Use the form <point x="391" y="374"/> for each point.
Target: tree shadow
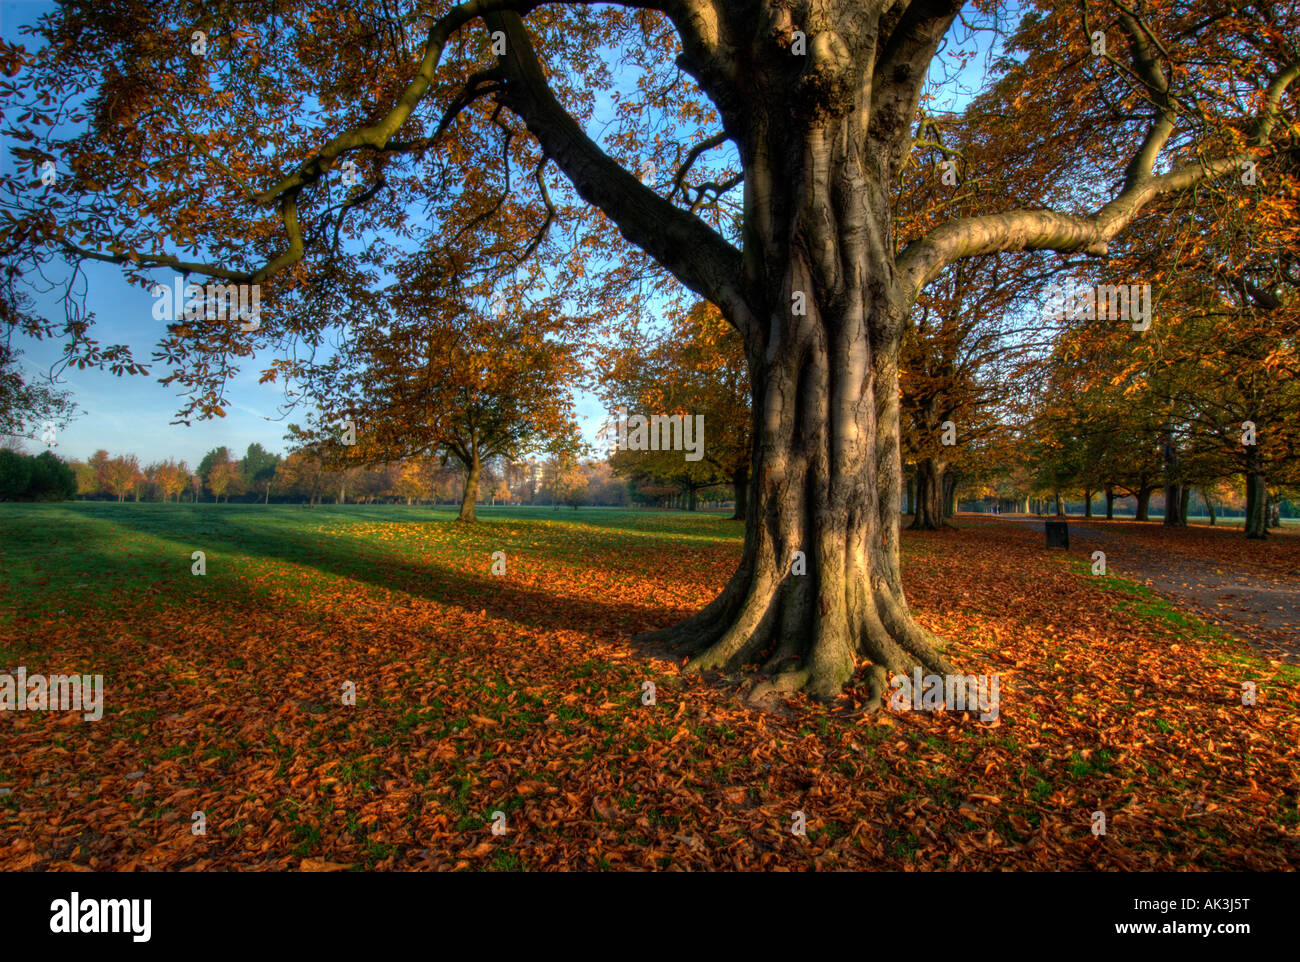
<point x="443" y="585"/>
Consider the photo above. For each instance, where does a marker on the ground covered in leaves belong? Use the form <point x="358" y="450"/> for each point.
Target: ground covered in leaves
<point x="522" y="694"/>
<point x="1253" y="592"/>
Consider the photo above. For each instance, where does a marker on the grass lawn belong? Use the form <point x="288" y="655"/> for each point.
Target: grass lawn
<point x="521" y="694"/>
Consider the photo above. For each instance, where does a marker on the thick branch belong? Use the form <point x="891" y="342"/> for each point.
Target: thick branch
<point x="1020" y="230"/>
<point x="284" y="193"/>
<point x="901" y="64"/>
<point x="691" y="250"/>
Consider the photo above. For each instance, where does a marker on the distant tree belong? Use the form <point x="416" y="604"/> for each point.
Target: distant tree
<point x="303" y="474"/>
<point x="168" y="477"/>
<point x="121" y="474"/>
<point x="99" y="465"/>
<point x="52" y="479"/>
<point x="43" y="477"/>
<point x="569" y="484"/>
<point x="176" y="478"/>
<point x="209" y="461"/>
<point x="414" y="480"/>
<point x="15" y="474"/>
<point x="695" y="367"/>
<point x="430" y="377"/>
<point x="954" y="377"/>
<point x="86" y="478"/>
<point x="225" y="479"/>
<point x="259" y="467"/>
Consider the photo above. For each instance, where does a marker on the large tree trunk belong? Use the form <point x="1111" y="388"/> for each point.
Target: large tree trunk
<point x="1060" y="504"/>
<point x="1110" y="503"/>
<point x="819" y="486"/>
<point x="929" y="486"/>
<point x="826" y="478"/>
<point x="1209" y="506"/>
<point x="1144" y="502"/>
<point x="1174" y="518"/>
<point x="1256" y="506"/>
<point x="1087" y="502"/>
<point x="949" y="495"/>
<point x="1173" y="505"/>
<point x="1256" y="499"/>
<point x="740" y="481"/>
<point x="469" y="496"/>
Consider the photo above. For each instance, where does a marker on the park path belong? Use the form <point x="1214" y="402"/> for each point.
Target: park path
<point x="1256" y="601"/>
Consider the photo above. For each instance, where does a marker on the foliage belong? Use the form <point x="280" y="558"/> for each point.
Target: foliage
<point x="43" y="477"/>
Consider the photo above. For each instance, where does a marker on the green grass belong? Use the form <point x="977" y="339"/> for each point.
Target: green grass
<point x="75" y="557"/>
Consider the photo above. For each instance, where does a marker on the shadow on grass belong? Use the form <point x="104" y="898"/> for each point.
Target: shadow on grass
<point x="354" y="560"/>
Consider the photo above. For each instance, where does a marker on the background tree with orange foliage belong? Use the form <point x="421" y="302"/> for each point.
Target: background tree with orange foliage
<point x="694" y="366"/>
<point x="121" y="473"/>
<point x="442" y="378"/>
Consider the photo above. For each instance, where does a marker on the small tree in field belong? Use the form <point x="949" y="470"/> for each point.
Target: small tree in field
<point x="462" y="386"/>
<point x="414" y="480"/>
<point x="121" y="473"/>
<point x="225" y="479"/>
<point x="258" y="471"/>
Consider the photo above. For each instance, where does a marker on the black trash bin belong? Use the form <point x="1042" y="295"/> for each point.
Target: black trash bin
<point x="1058" y="535"/>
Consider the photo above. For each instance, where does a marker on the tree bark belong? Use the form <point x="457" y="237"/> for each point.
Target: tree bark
<point x="1256" y="499"/>
<point x="1256" y="506"/>
<point x="949" y="495"/>
<point x="1087" y="502"/>
<point x="928" y="511"/>
<point x="1110" y="503"/>
<point x="740" y="481"/>
<point x="1173" y="481"/>
<point x="469" y="496"/>
<point x="1173" y="504"/>
<point x="826" y="477"/>
<point x="1144" y="502"/>
<point x="1209" y="506"/>
<point x="1060" y="504"/>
